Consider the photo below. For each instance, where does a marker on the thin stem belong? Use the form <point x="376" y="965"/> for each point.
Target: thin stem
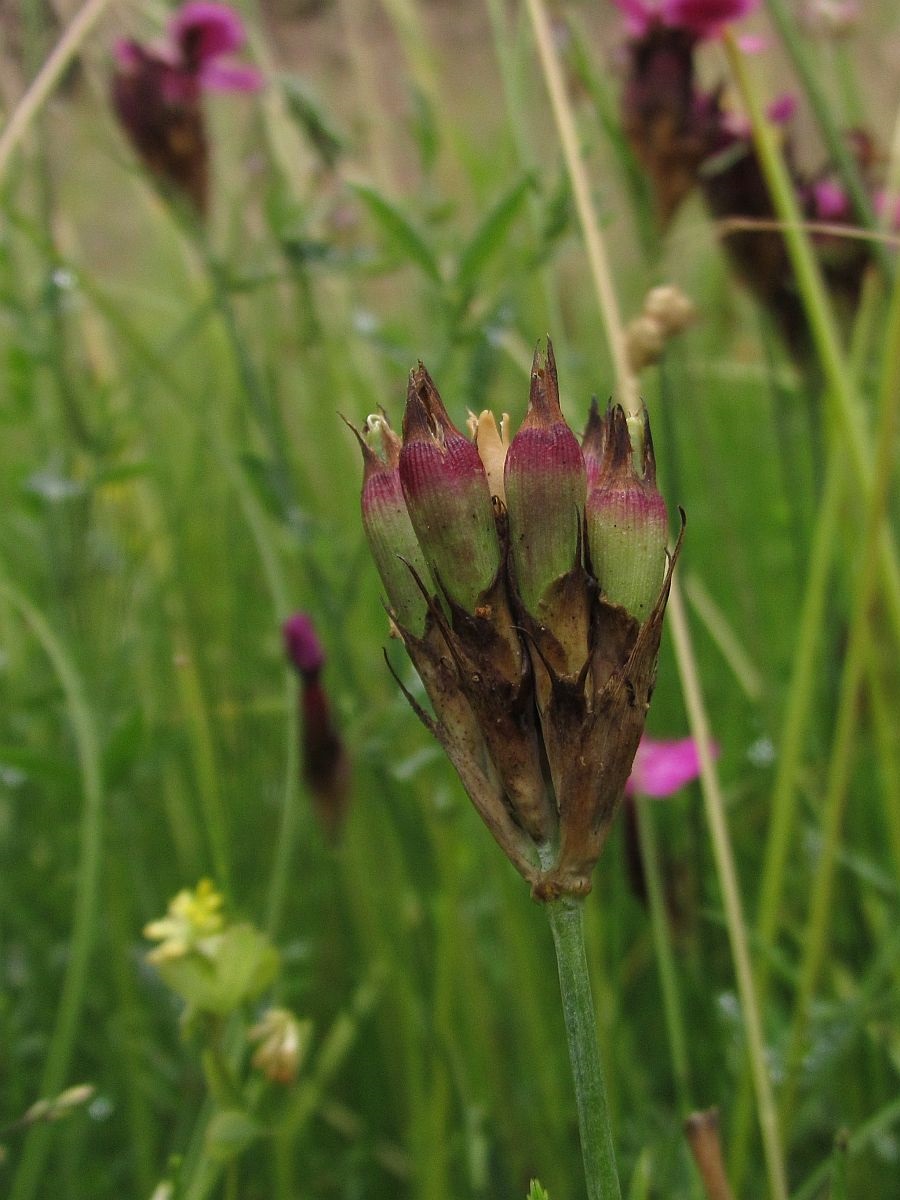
<point x="794" y="723"/>
<point x="598" y="259"/>
<point x="731" y="899"/>
<point x="566" y="918"/>
<point x="47" y="78"/>
<point x="841" y="388"/>
<point x="839" y="767"/>
<point x="665" y="959"/>
<point x="58" y="1057"/>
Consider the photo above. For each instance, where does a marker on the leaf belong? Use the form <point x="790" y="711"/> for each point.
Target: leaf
<point x="399" y="230"/>
<point x="311" y="116"/>
<point x="229" y="1133"/>
<point x="536" y="1191"/>
<point x="492" y="232"/>
<point x="230" y="968"/>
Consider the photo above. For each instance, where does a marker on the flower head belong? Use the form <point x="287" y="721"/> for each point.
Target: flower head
<point x="326" y="770"/>
<point x="701" y="18"/>
<point x="282" y="1041"/>
<point x="156" y="91"/>
<point x="662" y="768"/>
<point x="192" y="917"/>
<point x="538" y="655"/>
<point x="302" y="644"/>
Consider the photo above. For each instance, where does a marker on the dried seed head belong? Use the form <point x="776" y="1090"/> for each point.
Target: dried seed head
<point x="545" y="489"/>
<point x="447" y="496"/>
<point x="645" y="341"/>
<point x="670" y="307"/>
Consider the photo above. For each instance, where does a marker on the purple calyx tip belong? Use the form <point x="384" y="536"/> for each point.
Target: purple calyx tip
<point x="301" y="642"/>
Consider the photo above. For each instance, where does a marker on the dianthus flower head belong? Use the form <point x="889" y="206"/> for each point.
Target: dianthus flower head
<point x="326" y="770"/>
<point x="701" y="18"/>
<point x="156" y="92"/>
<point x="542" y="578"/>
<point x="663" y="767"/>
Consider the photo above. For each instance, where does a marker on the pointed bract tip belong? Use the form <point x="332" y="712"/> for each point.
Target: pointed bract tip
<point x="422" y="385"/>
<point x="417" y="423"/>
<point x="543" y="403"/>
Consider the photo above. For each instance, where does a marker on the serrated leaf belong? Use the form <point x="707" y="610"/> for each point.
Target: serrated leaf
<point x="405" y="239"/>
<point x="491" y="234"/>
<point x="229" y="1133"/>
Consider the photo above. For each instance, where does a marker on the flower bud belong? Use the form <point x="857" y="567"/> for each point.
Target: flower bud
<point x="626" y="523"/>
<point x="282" y="1041"/>
<point x="545" y="486"/>
<point x="447" y="496"/>
<point x="326" y="769"/>
<point x="389" y="530"/>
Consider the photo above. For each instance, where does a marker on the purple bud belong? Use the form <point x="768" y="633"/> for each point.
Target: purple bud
<point x="544" y="479"/>
<point x="448" y="497"/>
<point x="627" y="524"/>
<point x="302" y="645"/>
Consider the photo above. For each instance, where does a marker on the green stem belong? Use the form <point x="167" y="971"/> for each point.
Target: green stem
<point x="566" y="918"/>
<point x="876" y="1125"/>
<point x="665" y="959"/>
<point x="839" y="767"/>
<point x="58" y="1057"/>
<point x="841" y="389"/>
<point x="782" y="810"/>
<point x="731" y="898"/>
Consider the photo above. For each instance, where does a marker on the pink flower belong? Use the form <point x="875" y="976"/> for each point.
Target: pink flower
<point x="204" y="32"/>
<point x="829" y="201"/>
<point x="702" y="18"/>
<point x="157" y="89"/>
<point x="302" y="645"/>
<point x="326" y="768"/>
<point x="662" y="768"/>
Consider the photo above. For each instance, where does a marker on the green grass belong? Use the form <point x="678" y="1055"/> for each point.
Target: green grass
<point x="174" y="480"/>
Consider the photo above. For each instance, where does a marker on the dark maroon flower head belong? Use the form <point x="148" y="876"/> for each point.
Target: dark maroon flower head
<point x="302" y="645"/>
<point x="156" y="92"/>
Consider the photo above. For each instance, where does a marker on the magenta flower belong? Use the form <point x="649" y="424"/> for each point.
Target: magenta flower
<point x="662" y="768"/>
<point x="156" y="93"/>
<point x="702" y="18"/>
<point x="302" y="645"/>
<point x="204" y="33"/>
<point x="829" y="201"/>
<point x="326" y="768"/>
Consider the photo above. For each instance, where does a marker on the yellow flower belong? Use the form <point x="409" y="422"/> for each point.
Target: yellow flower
<point x="191" y="917"/>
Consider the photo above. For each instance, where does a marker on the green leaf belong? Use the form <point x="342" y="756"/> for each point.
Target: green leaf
<point x="403" y="236"/>
<point x="536" y="1191"/>
<point x="229" y="1133"/>
<point x="310" y="114"/>
<point x="492" y="233"/>
<point x="230" y="968"/>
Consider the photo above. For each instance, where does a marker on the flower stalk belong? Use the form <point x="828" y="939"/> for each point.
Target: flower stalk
<point x="566" y="917"/>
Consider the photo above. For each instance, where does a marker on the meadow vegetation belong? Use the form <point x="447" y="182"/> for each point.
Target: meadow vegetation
<point x="176" y="481"/>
